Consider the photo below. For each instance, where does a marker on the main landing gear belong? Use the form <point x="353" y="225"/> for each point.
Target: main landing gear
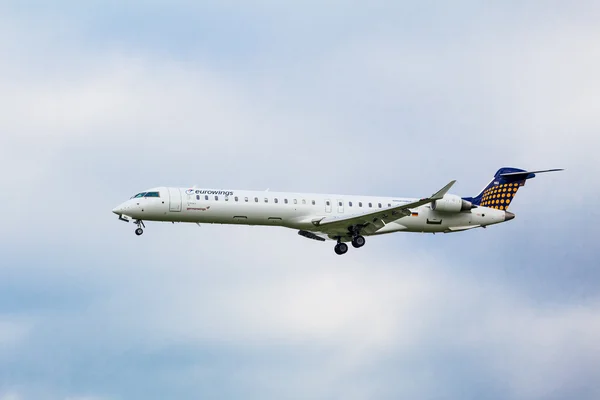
<point x="341" y="247"/>
<point x="358" y="241"/>
<point x="139" y="229"/>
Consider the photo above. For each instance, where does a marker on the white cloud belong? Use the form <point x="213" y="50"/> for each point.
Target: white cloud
<point x="10" y="396"/>
<point x="361" y="311"/>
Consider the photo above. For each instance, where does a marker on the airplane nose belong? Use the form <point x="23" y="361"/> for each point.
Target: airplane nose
<point x="508" y="215"/>
<point x="119" y="209"/>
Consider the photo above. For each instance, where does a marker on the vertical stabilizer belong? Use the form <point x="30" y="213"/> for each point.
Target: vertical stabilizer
<point x="501" y="191"/>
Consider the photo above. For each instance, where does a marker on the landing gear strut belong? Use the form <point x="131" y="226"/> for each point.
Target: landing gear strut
<point x="139" y="229"/>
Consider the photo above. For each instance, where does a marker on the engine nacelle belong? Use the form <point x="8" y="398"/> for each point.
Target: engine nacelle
<point x="451" y="203"/>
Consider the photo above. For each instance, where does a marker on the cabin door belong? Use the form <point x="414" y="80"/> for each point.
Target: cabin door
<point x="174" y="199"/>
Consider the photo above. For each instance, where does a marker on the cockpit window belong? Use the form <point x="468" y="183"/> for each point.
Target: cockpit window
<point x="139" y="195"/>
<point x="152" y="194"/>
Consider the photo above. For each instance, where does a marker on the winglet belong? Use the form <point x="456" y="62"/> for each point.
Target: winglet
<point x="440" y="194"/>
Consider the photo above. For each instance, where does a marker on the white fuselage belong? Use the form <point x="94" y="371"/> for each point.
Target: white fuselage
<point x="293" y="210"/>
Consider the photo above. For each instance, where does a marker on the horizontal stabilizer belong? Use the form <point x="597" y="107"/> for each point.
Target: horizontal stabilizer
<point x="526" y="174"/>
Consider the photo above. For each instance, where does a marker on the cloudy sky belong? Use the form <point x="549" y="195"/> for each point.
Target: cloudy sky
<point x="102" y="99"/>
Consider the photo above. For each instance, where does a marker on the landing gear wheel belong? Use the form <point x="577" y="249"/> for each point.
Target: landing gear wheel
<point x="139" y="229"/>
<point x="358" y="241"/>
<point x="340" y="248"/>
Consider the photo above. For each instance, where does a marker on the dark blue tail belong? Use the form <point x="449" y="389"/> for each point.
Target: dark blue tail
<point x="502" y="189"/>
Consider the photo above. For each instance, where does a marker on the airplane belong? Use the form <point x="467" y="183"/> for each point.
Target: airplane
<point x="343" y="218"/>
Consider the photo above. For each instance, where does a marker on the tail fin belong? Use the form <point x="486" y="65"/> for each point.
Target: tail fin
<point x="501" y="191"/>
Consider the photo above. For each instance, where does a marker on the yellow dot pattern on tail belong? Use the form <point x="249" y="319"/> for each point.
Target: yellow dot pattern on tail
<point x="500" y="196"/>
<point x="500" y="192"/>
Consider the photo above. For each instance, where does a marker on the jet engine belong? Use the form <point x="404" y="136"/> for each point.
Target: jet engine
<point x="451" y="203"/>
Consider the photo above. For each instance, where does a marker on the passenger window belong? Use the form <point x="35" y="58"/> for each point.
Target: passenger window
<point x="206" y="197"/>
<point x="340" y="203"/>
<point x="303" y="201"/>
<point x="217" y="198"/>
<point x="285" y="201"/>
<point x="226" y="198"/>
<point x="349" y="204"/>
<point x="370" y="205"/>
<point x="246" y="199"/>
<point x="235" y="198"/>
<point x="360" y="203"/>
<point x="295" y="201"/>
<point x="197" y="197"/>
<point x="379" y="205"/>
<point x="327" y="203"/>
<point x="389" y="204"/>
<point x="313" y="202"/>
<point x="266" y="200"/>
<point x="275" y="200"/>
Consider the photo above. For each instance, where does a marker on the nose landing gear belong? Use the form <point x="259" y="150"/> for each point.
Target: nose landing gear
<point x="139" y="229"/>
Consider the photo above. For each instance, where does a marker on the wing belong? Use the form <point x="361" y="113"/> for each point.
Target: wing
<point x="371" y="221"/>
